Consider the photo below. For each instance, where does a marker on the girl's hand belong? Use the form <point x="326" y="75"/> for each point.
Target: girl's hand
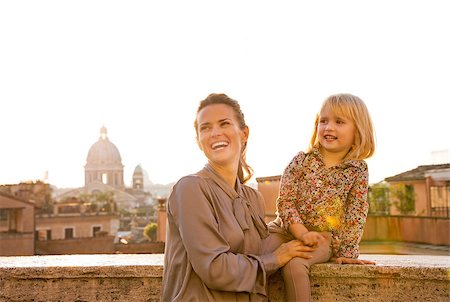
<point x="343" y="260"/>
<point x="291" y="249"/>
<point x="311" y="238"/>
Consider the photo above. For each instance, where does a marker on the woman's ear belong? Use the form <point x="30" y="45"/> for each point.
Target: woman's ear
<point x="198" y="142"/>
<point x="244" y="135"/>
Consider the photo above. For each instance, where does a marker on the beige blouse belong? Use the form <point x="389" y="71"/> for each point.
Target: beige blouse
<point x="214" y="242"/>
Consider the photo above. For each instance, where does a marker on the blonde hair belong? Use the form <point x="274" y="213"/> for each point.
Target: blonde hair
<point x="245" y="172"/>
<point x="353" y="108"/>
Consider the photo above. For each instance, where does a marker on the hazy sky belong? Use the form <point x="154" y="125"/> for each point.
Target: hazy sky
<point x="141" y="67"/>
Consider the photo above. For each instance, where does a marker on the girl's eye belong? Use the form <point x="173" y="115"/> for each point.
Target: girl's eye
<point x="322" y="121"/>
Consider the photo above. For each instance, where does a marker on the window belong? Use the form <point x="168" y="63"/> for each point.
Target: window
<point x="68" y="233"/>
<point x="440" y="201"/>
<point x="43" y="235"/>
<point x="49" y="234"/>
<point x="96" y="229"/>
<point x="4" y="225"/>
<point x="105" y="178"/>
<point x="8" y="220"/>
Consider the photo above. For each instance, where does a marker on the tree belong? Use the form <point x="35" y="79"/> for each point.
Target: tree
<point x="404" y="196"/>
<point x="379" y="199"/>
<point x="150" y="231"/>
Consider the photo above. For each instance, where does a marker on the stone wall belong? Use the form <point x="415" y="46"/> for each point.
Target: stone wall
<point x="90" y="245"/>
<point x="95" y="245"/>
<point x="136" y="278"/>
<point x="429" y="230"/>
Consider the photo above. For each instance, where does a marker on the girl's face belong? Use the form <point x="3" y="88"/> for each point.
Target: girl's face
<point x="219" y="135"/>
<point x="336" y="134"/>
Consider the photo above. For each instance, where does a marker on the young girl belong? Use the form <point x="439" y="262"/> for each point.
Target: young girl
<point x="323" y="193"/>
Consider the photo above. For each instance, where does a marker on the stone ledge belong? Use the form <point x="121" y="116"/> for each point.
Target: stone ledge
<point x="137" y="277"/>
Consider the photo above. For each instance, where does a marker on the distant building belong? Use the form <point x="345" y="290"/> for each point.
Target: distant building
<point x="104" y="173"/>
<point x="78" y="226"/>
<point x="269" y="186"/>
<point x="423" y="191"/>
<point x="16" y="226"/>
<point x="39" y="192"/>
<point x="104" y="163"/>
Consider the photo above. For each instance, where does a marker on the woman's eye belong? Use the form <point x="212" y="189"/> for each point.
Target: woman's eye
<point x="204" y="128"/>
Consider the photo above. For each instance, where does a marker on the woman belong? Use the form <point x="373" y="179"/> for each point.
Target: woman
<point x="215" y="231"/>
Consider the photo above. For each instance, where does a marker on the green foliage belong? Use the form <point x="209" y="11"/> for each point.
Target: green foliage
<point x="150" y="231"/>
<point x="379" y="198"/>
<point x="404" y="198"/>
<point x="99" y="201"/>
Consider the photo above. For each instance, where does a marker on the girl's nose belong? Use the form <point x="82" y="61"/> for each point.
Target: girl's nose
<point x="329" y="126"/>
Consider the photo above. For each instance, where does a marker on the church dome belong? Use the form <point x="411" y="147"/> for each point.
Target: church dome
<point x="138" y="170"/>
<point x="103" y="152"/>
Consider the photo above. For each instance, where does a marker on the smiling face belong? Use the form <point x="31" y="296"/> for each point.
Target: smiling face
<point x="219" y="135"/>
<point x="335" y="132"/>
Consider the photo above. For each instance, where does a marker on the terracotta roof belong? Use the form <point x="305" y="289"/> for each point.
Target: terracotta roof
<point x="417" y="173"/>
<point x="7" y="195"/>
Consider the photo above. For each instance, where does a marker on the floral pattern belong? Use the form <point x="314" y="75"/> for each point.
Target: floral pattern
<point x="326" y="199"/>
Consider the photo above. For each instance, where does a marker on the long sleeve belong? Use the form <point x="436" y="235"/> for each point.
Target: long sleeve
<point x="287" y="198"/>
<point x="355" y="216"/>
<point x="208" y="251"/>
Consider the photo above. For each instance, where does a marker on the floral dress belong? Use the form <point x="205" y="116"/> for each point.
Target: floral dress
<point x="326" y="199"/>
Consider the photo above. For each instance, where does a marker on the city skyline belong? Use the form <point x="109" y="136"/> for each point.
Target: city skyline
<point x="140" y="70"/>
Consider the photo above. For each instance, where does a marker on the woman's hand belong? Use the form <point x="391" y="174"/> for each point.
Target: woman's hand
<point x="291" y="249"/>
<point x="343" y="260"/>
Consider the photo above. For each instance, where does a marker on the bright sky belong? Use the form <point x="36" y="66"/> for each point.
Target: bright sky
<point x="141" y="67"/>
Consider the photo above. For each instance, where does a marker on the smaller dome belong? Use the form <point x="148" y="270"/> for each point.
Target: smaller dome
<point x="137" y="170"/>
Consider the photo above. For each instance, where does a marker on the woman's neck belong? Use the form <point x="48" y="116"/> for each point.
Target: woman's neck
<point x="228" y="173"/>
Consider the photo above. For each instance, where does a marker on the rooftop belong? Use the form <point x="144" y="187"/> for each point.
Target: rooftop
<point x="418" y="173"/>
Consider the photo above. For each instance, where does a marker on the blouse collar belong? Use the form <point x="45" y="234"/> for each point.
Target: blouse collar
<point x="357" y="163"/>
<point x="220" y="181"/>
<point x="244" y="210"/>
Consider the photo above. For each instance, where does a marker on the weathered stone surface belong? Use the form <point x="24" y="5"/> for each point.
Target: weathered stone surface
<point x="132" y="277"/>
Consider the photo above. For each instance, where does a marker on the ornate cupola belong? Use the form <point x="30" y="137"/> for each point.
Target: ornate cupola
<point x="138" y="178"/>
<point x="104" y="163"/>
